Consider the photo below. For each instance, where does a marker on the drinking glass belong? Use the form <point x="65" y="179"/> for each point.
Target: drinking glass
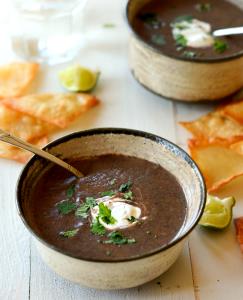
<point x="44" y="30"/>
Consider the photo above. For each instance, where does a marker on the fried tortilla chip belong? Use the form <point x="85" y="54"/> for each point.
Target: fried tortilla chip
<point x="22" y="125"/>
<point x="218" y="163"/>
<point x="14" y="153"/>
<point x="15" y="78"/>
<point x="234" y="110"/>
<point x="57" y="109"/>
<point x="214" y="125"/>
<point x="239" y="231"/>
<point x="238" y="147"/>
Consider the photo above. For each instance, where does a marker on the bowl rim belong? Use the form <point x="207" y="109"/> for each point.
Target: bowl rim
<point x="109" y="130"/>
<point x="180" y="58"/>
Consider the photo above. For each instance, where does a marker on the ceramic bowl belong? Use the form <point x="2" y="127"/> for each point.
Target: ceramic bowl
<point x="133" y="271"/>
<point x="181" y="78"/>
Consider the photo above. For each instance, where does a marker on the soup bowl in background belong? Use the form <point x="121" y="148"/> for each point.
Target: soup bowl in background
<point x="180" y="78"/>
<point x="132" y="271"/>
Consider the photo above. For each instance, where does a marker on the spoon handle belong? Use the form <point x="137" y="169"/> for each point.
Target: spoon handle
<point x="228" y="31"/>
<point x="13" y="140"/>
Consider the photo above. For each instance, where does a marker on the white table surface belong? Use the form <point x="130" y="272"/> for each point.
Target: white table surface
<point x="211" y="265"/>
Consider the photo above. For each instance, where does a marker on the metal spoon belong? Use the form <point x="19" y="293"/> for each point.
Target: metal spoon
<point x="13" y="140"/>
<point x="228" y="31"/>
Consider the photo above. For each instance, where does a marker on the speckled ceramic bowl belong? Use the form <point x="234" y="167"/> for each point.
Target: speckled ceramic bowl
<point x="181" y="78"/>
<point x="138" y="269"/>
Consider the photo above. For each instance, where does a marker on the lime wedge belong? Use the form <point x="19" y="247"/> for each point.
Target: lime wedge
<point x="218" y="212"/>
<point x="78" y="79"/>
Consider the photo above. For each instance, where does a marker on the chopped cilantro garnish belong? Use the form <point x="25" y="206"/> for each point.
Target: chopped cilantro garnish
<point x="70" y="191"/>
<point x="183" y="18"/>
<point x="180" y="40"/>
<point x="132" y="219"/>
<point x="116" y="238"/>
<point x="158" y="39"/>
<point x="128" y="195"/>
<point x="69" y="233"/>
<point x="105" y="214"/>
<point x="151" y="19"/>
<point x="97" y="228"/>
<point x="203" y="7"/>
<point x="66" y="206"/>
<point x="219" y="46"/>
<point x="109" y="25"/>
<point x="82" y="210"/>
<point x="189" y="54"/>
<point x="107" y="193"/>
<point x="125" y="187"/>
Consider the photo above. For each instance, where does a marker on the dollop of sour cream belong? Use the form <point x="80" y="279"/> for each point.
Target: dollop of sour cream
<point x="121" y="211"/>
<point x="196" y="32"/>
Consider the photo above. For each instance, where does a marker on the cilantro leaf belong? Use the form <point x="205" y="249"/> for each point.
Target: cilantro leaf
<point x="83" y="209"/>
<point x="116" y="238"/>
<point x="132" y="219"/>
<point x="128" y="195"/>
<point x="219" y="46"/>
<point x="189" y="54"/>
<point x="70" y="191"/>
<point x="180" y="40"/>
<point x="97" y="228"/>
<point x="203" y="7"/>
<point x="105" y="214"/>
<point x="107" y="193"/>
<point x="69" y="233"/>
<point x="66" y="206"/>
<point x="125" y="187"/>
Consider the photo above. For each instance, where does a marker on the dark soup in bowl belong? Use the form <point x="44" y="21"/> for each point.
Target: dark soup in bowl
<point x="184" y="28"/>
<point x="124" y="206"/>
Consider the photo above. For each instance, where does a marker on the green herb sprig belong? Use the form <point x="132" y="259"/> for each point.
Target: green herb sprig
<point x="220" y="46"/>
<point x="69" y="233"/>
<point x="116" y="238"/>
<point x="83" y="209"/>
<point x="97" y="228"/>
<point x="66" y="206"/>
<point x="105" y="214"/>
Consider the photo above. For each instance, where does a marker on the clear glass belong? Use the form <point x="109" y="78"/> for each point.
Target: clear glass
<point x="44" y="30"/>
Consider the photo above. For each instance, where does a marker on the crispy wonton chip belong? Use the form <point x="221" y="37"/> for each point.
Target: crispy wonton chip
<point x="58" y="109"/>
<point x="237" y="147"/>
<point x="239" y="231"/>
<point x="218" y="163"/>
<point x="214" y="125"/>
<point x="22" y="125"/>
<point x="20" y="155"/>
<point x="15" y="78"/>
<point x="234" y="110"/>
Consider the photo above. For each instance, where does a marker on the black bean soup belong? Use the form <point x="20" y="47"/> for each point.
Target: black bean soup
<point x="154" y="23"/>
<point x="59" y="208"/>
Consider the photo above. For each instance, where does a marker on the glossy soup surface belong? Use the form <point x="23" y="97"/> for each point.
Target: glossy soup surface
<point x="154" y="190"/>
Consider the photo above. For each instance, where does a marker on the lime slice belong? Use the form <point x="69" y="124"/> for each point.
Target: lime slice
<point x="218" y="212"/>
<point x="78" y="79"/>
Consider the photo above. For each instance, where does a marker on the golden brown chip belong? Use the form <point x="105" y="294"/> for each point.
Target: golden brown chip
<point x="238" y="147"/>
<point x="234" y="110"/>
<point x="214" y="125"/>
<point x="58" y="109"/>
<point x="14" y="153"/>
<point x="22" y="125"/>
<point x="15" y="78"/>
<point x="218" y="163"/>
